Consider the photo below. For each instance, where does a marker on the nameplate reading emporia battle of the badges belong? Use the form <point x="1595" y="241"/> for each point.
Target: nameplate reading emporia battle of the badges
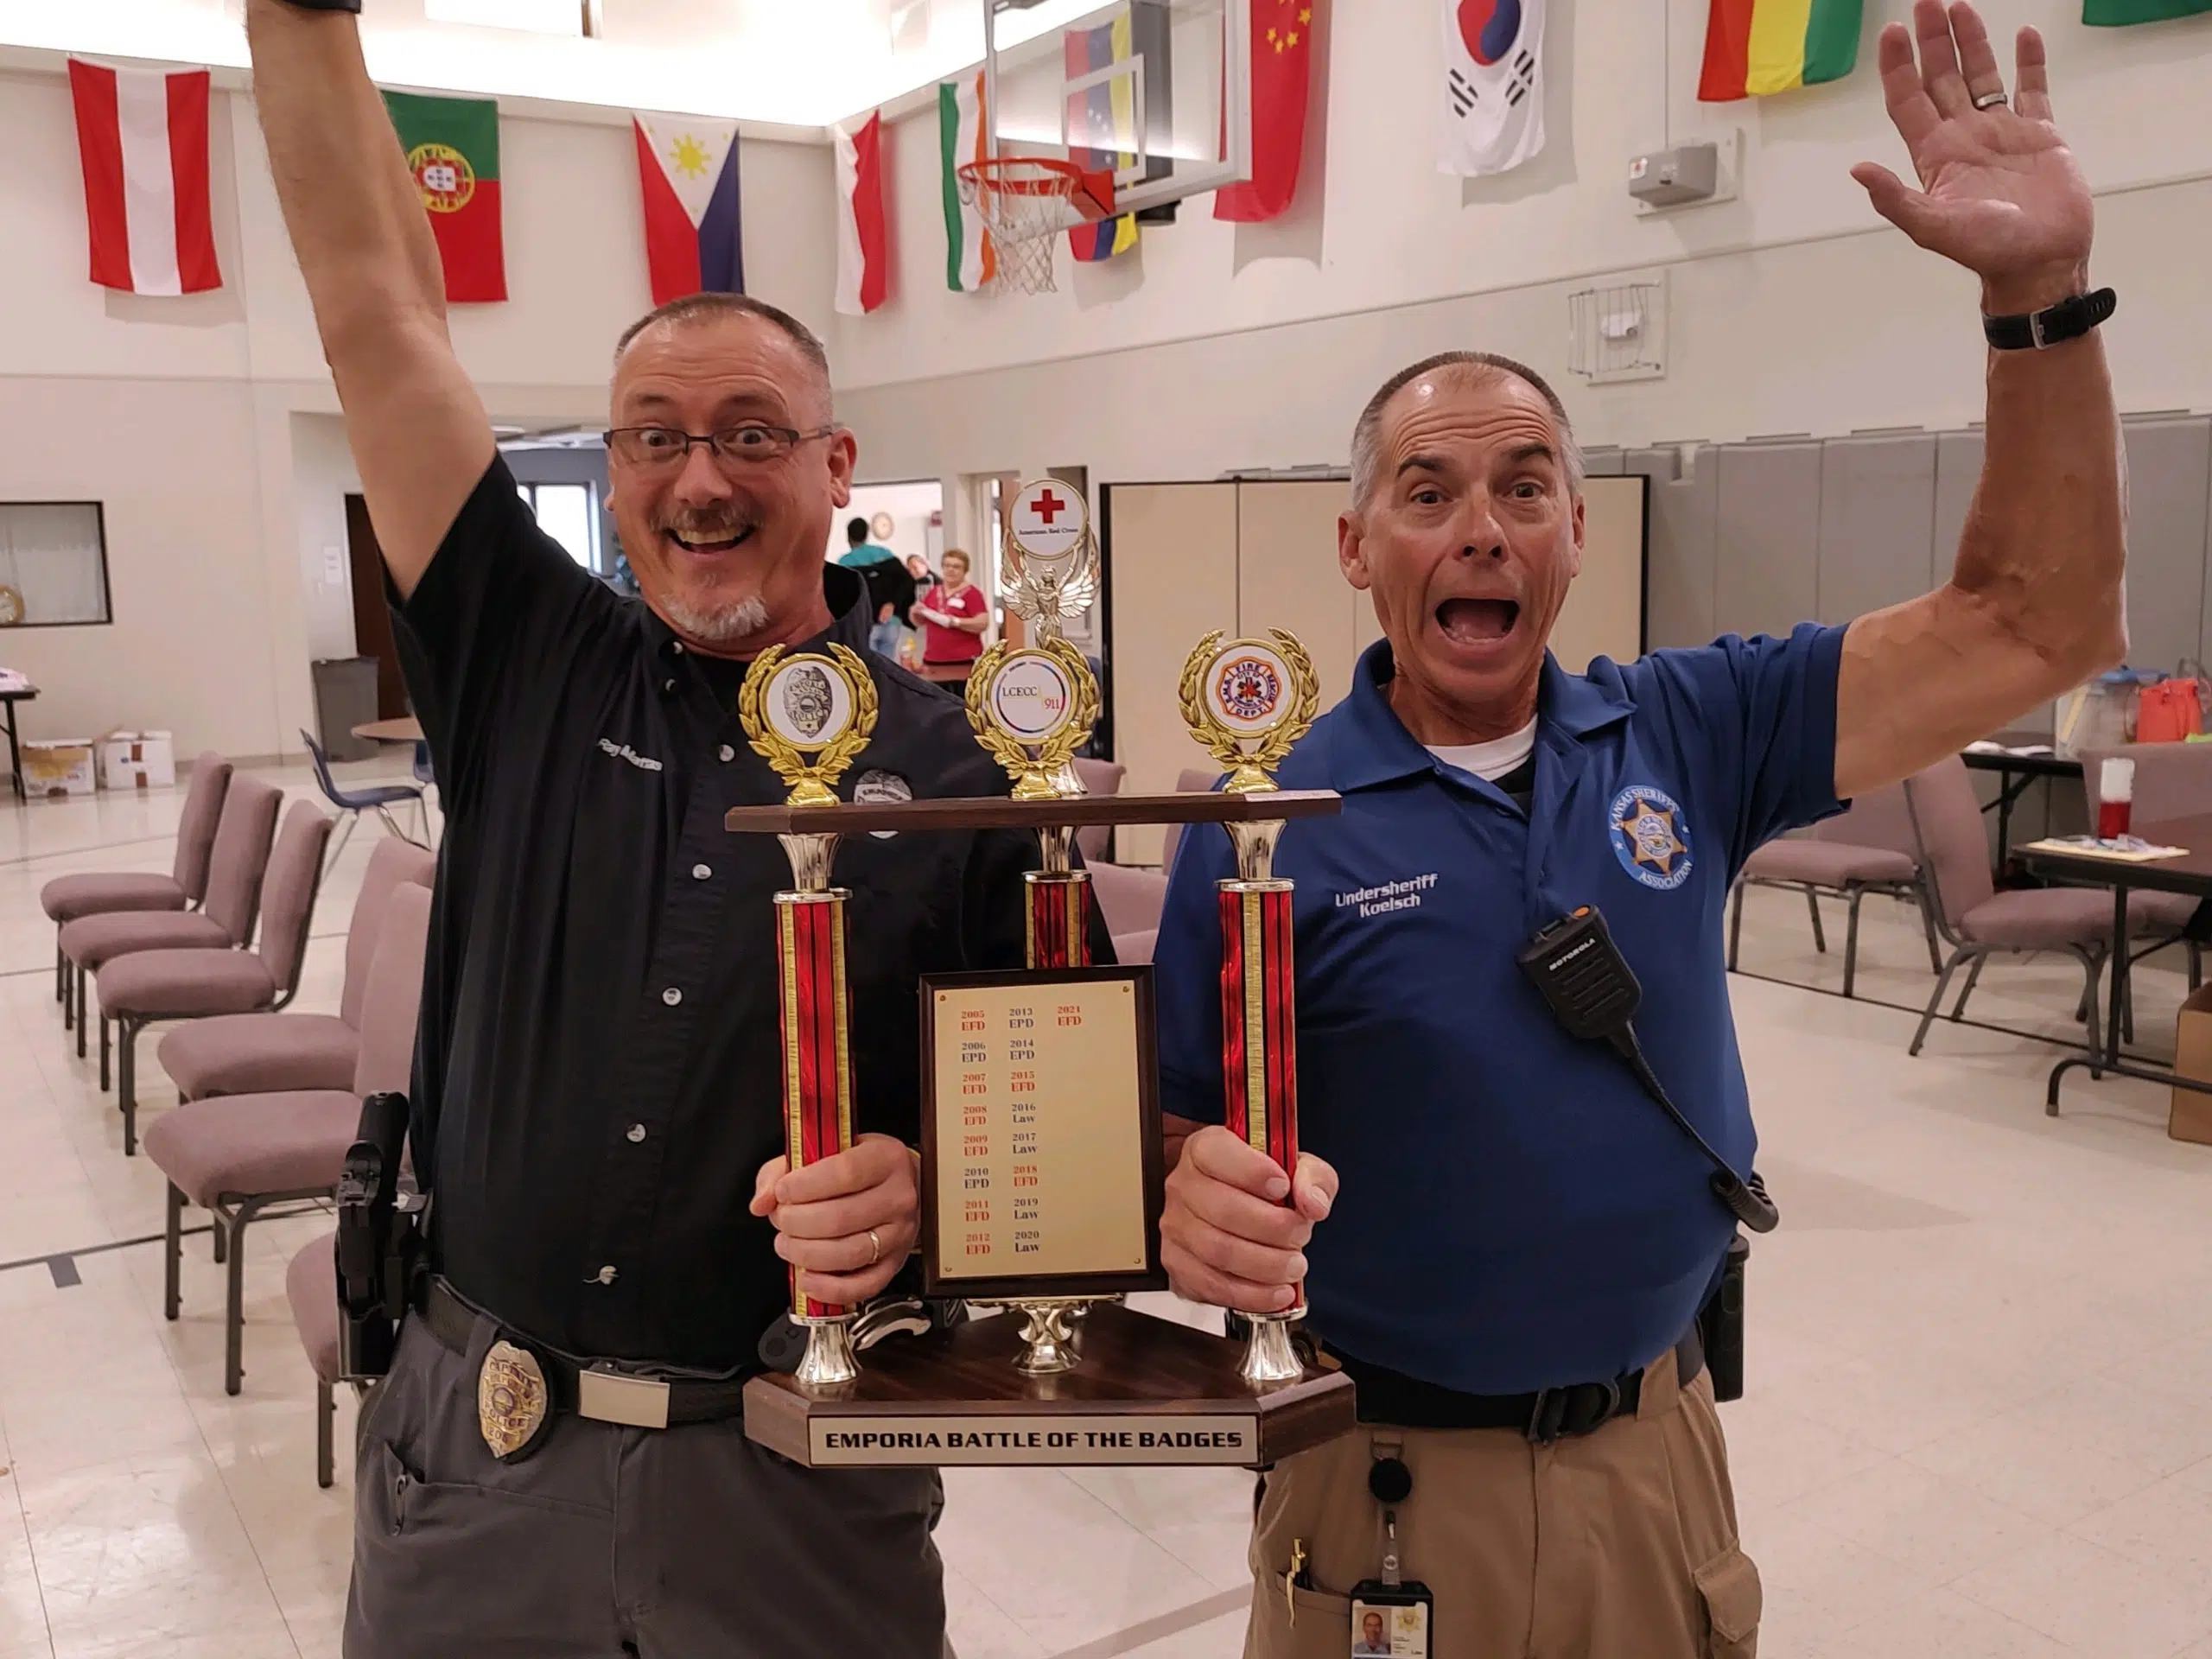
<point x="1192" y="1437"/>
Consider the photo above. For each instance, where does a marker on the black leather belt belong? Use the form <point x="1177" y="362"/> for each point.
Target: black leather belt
<point x="607" y="1391"/>
<point x="1393" y="1398"/>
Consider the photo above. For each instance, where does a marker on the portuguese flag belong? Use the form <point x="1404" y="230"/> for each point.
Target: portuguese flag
<point x="452" y="146"/>
<point x="1756" y="46"/>
<point x="2114" y="14"/>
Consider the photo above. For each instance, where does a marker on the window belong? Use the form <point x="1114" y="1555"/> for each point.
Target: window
<point x="52" y="563"/>
<point x="567" y="514"/>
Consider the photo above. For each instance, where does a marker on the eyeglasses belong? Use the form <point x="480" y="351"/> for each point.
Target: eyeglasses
<point x="751" y="443"/>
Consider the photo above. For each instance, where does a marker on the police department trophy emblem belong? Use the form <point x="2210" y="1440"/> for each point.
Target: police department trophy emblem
<point x="1247" y="702"/>
<point x="510" y="1399"/>
<point x="809" y="715"/>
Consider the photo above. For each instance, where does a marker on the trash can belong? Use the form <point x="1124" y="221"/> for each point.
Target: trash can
<point x="345" y="696"/>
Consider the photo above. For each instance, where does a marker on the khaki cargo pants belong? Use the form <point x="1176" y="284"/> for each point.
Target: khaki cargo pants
<point x="1620" y="1545"/>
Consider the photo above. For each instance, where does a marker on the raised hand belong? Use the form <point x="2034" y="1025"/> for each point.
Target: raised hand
<point x="2000" y="193"/>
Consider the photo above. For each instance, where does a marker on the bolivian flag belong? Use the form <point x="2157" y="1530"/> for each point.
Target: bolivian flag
<point x="1756" y="46"/>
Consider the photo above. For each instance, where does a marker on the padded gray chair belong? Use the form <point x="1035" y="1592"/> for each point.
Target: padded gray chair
<point x="104" y="892"/>
<point x="311" y="1288"/>
<point x="1193" y="780"/>
<point x="1977" y="921"/>
<point x="235" y="867"/>
<point x="258" y="1053"/>
<point x="238" y="1155"/>
<point x="1867" y="850"/>
<point x="1095" y="841"/>
<point x="1131" y="949"/>
<point x="1129" y="899"/>
<point x="148" y="986"/>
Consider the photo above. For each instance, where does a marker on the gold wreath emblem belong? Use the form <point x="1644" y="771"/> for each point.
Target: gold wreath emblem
<point x="1036" y="768"/>
<point x="1248" y="768"/>
<point x="812" y="781"/>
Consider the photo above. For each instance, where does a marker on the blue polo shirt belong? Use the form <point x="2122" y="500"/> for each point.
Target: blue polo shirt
<point x="1515" y="1212"/>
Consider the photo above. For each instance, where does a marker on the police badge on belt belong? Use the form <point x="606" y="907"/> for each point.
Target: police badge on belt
<point x="512" y="1404"/>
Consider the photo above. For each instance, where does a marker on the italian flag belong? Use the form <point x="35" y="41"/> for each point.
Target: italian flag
<point x="971" y="262"/>
<point x="452" y="146"/>
<point x="2114" y="14"/>
<point x="1753" y="48"/>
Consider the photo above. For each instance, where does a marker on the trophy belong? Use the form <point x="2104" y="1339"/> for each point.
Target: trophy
<point x="809" y="715"/>
<point x="1246" y="703"/>
<point x="1043" y="1169"/>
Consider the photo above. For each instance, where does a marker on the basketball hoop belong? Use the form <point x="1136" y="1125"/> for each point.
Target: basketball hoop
<point x="1026" y="200"/>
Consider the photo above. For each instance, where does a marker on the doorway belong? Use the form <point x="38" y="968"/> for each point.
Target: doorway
<point x="372" y="616"/>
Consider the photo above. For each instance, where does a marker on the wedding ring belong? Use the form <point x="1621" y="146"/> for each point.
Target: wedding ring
<point x="875" y="1248"/>
<point x="1990" y="100"/>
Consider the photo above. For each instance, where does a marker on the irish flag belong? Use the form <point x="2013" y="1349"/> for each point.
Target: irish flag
<point x="971" y="262"/>
<point x="452" y="146"/>
<point x="1753" y="48"/>
<point x="687" y="165"/>
<point x="142" y="136"/>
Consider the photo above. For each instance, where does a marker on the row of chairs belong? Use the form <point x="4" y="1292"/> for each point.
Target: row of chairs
<point x="1924" y="842"/>
<point x="269" y="1100"/>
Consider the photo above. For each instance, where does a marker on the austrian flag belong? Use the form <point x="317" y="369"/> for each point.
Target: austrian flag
<point x="143" y="137"/>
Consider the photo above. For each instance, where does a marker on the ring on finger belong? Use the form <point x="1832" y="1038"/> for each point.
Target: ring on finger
<point x="1991" y="100"/>
<point x="875" y="1248"/>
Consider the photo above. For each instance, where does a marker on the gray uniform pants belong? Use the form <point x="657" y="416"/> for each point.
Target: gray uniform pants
<point x="608" y="1542"/>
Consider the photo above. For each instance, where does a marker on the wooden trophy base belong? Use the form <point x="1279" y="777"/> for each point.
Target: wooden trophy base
<point x="1148" y="1392"/>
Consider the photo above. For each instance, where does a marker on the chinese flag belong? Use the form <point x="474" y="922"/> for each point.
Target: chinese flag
<point x="1282" y="61"/>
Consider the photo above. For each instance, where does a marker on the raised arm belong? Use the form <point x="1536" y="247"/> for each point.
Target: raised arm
<point x="2034" y="604"/>
<point x="419" y="433"/>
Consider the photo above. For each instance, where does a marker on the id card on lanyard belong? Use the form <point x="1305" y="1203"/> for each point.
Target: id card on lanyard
<point x="1392" y="1616"/>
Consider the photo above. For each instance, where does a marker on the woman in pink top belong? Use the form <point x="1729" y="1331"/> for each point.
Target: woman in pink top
<point x="952" y="621"/>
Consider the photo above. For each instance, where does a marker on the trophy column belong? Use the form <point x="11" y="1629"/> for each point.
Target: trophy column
<point x="816" y="1014"/>
<point x="1059" y="908"/>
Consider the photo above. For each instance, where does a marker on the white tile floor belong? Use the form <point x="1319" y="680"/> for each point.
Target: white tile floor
<point x="1979" y="1418"/>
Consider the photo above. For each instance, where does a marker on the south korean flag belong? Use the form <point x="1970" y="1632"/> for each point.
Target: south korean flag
<point x="1494" y="92"/>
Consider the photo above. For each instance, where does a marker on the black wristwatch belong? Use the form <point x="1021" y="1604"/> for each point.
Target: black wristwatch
<point x="2068" y="319"/>
<point x="353" y="6"/>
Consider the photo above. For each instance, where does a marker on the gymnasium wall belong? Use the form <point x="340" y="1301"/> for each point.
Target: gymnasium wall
<point x="206" y="423"/>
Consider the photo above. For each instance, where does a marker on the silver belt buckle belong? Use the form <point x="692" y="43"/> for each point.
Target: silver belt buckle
<point x="612" y="1397"/>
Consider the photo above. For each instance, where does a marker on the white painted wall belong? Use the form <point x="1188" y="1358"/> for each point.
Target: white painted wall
<point x="206" y="424"/>
<point x="910" y="505"/>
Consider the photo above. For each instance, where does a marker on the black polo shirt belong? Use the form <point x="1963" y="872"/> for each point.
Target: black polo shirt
<point x="597" y="1079"/>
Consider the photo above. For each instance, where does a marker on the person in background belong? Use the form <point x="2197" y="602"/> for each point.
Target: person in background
<point x="926" y="587"/>
<point x="890" y="589"/>
<point x="953" y="623"/>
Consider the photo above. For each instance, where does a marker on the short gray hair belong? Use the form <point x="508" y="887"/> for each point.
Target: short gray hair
<point x="1367" y="436"/>
<point x="699" y="308"/>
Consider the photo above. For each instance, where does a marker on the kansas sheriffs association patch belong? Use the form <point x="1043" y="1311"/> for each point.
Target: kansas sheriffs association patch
<point x="510" y="1399"/>
<point x="1650" y="836"/>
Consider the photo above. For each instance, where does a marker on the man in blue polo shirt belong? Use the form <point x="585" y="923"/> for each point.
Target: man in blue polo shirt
<point x="1500" y="1235"/>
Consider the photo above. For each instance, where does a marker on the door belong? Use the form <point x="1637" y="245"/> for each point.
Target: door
<point x="372" y="616"/>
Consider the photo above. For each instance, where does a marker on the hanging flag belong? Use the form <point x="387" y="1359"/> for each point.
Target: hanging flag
<point x="1282" y="61"/>
<point x="1494" y="85"/>
<point x="971" y="262"/>
<point x="2116" y="13"/>
<point x="863" y="233"/>
<point x="452" y="146"/>
<point x="687" y="165"/>
<point x="1753" y="48"/>
<point x="1110" y="113"/>
<point x="142" y="137"/>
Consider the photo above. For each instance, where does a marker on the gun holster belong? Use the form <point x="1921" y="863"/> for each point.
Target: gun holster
<point x="380" y="1242"/>
<point x="1721" y="1324"/>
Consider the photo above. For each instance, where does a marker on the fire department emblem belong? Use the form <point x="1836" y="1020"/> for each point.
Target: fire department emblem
<point x="1250" y="691"/>
<point x="1650" y="836"/>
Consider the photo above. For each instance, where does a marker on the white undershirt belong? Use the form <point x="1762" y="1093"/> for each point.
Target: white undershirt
<point x="1492" y="760"/>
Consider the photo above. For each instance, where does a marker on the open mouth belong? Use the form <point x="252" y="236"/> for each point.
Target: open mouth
<point x="709" y="542"/>
<point x="1477" y="621"/>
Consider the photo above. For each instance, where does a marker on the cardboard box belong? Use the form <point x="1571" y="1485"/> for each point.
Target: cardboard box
<point x="136" y="760"/>
<point x="2190" y="1118"/>
<point x="58" y="766"/>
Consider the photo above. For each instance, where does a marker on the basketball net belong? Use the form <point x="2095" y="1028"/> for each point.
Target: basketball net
<point x="1024" y="203"/>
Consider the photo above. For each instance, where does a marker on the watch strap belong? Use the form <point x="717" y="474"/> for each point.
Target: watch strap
<point x="326" y="5"/>
<point x="2068" y="319"/>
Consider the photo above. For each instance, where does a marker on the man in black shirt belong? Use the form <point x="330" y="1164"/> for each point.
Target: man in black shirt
<point x="597" y="1097"/>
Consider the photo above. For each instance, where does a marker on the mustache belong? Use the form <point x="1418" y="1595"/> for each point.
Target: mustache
<point x="704" y="523"/>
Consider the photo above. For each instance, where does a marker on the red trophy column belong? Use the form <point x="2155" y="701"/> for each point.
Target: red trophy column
<point x="818" y="1086"/>
<point x="1059" y="918"/>
<point x="1259" y="1055"/>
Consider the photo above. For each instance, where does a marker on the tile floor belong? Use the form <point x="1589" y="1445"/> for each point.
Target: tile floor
<point x="1979" y="1422"/>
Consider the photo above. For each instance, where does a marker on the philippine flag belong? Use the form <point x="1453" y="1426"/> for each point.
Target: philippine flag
<point x="1494" y="85"/>
<point x="688" y="167"/>
<point x="142" y="136"/>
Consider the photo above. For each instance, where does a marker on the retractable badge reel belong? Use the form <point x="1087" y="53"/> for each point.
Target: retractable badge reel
<point x="1391" y="1615"/>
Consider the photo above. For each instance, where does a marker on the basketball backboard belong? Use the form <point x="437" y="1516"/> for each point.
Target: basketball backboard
<point x="1159" y="91"/>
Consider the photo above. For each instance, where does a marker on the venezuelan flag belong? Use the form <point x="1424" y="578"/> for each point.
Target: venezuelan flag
<point x="1113" y="109"/>
<point x="1756" y="46"/>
